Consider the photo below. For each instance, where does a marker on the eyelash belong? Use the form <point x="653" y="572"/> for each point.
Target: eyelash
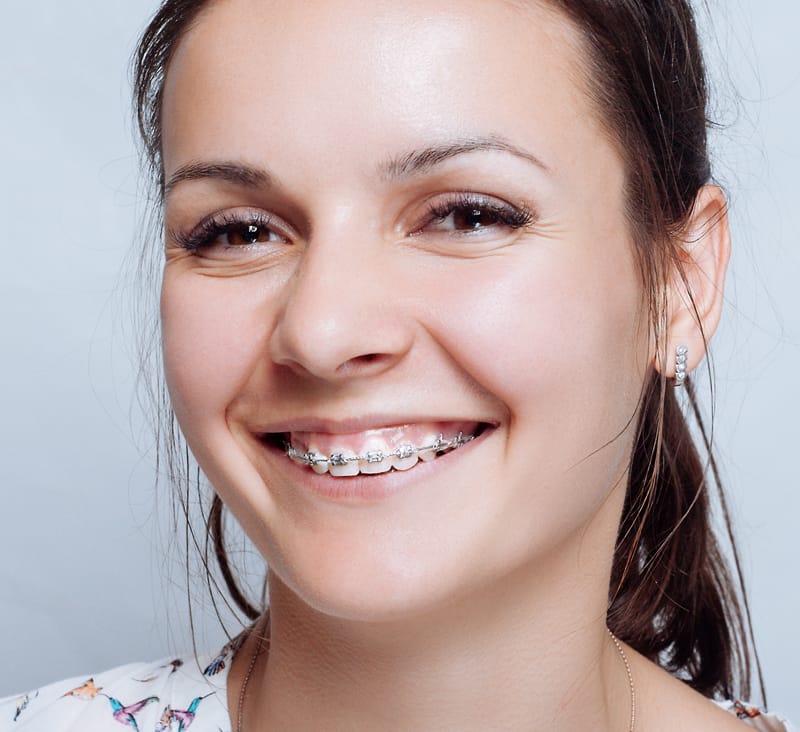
<point x="212" y="228"/>
<point x="511" y="216"/>
<point x="438" y="211"/>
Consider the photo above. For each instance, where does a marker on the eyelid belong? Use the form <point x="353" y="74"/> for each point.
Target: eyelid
<point x="214" y="225"/>
<point x="511" y="215"/>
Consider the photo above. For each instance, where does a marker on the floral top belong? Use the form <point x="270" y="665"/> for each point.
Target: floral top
<point x="174" y="695"/>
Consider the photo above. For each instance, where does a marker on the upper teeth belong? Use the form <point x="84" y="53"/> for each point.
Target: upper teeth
<point x="342" y="463"/>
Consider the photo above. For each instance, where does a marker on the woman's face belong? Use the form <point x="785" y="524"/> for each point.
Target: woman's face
<point x="388" y="221"/>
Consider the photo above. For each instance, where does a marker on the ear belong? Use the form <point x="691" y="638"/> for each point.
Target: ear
<point x="696" y="287"/>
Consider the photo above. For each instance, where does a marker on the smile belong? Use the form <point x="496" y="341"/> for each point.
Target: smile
<point x="383" y="450"/>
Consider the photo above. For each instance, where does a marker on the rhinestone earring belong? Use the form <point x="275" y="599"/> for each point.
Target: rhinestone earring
<point x="680" y="365"/>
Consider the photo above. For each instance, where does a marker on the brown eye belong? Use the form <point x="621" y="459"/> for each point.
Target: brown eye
<point x="469" y="213"/>
<point x="473" y="218"/>
<point x="233" y="230"/>
<point x="248" y="234"/>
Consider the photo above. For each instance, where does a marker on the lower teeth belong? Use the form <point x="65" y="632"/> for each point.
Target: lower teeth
<point x="374" y="462"/>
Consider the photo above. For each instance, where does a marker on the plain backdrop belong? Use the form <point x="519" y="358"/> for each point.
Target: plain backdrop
<point x="89" y="576"/>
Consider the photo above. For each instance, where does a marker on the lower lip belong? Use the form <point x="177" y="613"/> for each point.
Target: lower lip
<point x="367" y="488"/>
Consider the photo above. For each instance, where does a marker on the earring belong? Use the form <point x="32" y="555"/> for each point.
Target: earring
<point x="680" y="365"/>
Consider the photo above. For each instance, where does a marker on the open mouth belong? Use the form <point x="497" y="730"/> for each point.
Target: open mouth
<point x="379" y="451"/>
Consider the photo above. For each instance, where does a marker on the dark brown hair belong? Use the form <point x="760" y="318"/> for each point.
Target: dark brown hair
<point x="672" y="596"/>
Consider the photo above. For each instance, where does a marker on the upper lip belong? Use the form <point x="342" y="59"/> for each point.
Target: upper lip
<point x="360" y="424"/>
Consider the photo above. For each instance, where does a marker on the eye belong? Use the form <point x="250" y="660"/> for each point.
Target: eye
<point x="471" y="214"/>
<point x="231" y="230"/>
<point x="248" y="234"/>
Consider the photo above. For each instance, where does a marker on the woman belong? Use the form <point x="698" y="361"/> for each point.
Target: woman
<point x="433" y="273"/>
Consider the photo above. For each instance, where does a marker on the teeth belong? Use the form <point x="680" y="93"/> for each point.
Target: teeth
<point x="431" y="444"/>
<point x="376" y="457"/>
<point x="343" y="464"/>
<point x="405" y="457"/>
<point x="313" y="457"/>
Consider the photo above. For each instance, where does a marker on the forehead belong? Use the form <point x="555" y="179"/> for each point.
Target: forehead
<point x="349" y="78"/>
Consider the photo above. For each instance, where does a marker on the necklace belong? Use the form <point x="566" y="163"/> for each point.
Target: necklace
<point x="263" y="639"/>
<point x="630" y="679"/>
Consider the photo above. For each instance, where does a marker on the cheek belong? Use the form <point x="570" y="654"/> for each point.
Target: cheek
<point x="558" y="326"/>
<point x="209" y="347"/>
<point x="556" y="338"/>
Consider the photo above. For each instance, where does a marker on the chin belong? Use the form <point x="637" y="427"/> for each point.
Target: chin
<point x="359" y="591"/>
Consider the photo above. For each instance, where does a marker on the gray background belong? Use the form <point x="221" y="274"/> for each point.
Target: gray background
<point x="90" y="574"/>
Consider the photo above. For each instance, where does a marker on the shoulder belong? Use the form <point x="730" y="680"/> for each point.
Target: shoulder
<point x="163" y="696"/>
<point x="756" y="718"/>
<point x="669" y="704"/>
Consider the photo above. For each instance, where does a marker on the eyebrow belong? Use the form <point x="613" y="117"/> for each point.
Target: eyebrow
<point x="240" y="174"/>
<point x="412" y="163"/>
<point x="421" y="161"/>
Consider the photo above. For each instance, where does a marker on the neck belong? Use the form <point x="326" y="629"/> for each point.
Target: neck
<point x="515" y="658"/>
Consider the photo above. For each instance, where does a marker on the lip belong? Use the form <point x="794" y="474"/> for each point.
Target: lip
<point x="361" y="424"/>
<point x="359" y="489"/>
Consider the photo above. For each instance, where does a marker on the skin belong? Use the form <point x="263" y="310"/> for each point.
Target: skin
<point x="474" y="595"/>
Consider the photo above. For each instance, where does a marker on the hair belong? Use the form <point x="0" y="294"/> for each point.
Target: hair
<point x="673" y="597"/>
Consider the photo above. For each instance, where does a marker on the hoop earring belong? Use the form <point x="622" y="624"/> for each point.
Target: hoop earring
<point x="680" y="365"/>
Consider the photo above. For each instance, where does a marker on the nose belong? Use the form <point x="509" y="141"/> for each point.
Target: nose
<point x="341" y="316"/>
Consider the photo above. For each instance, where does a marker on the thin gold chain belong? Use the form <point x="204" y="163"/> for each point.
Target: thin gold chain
<point x="630" y="679"/>
<point x="263" y="637"/>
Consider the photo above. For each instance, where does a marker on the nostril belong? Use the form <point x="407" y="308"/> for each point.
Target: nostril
<point x="365" y="361"/>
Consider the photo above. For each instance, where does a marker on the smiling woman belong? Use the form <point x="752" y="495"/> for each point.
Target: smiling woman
<point x="436" y="276"/>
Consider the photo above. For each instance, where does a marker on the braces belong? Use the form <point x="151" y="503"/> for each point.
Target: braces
<point x="403" y="451"/>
